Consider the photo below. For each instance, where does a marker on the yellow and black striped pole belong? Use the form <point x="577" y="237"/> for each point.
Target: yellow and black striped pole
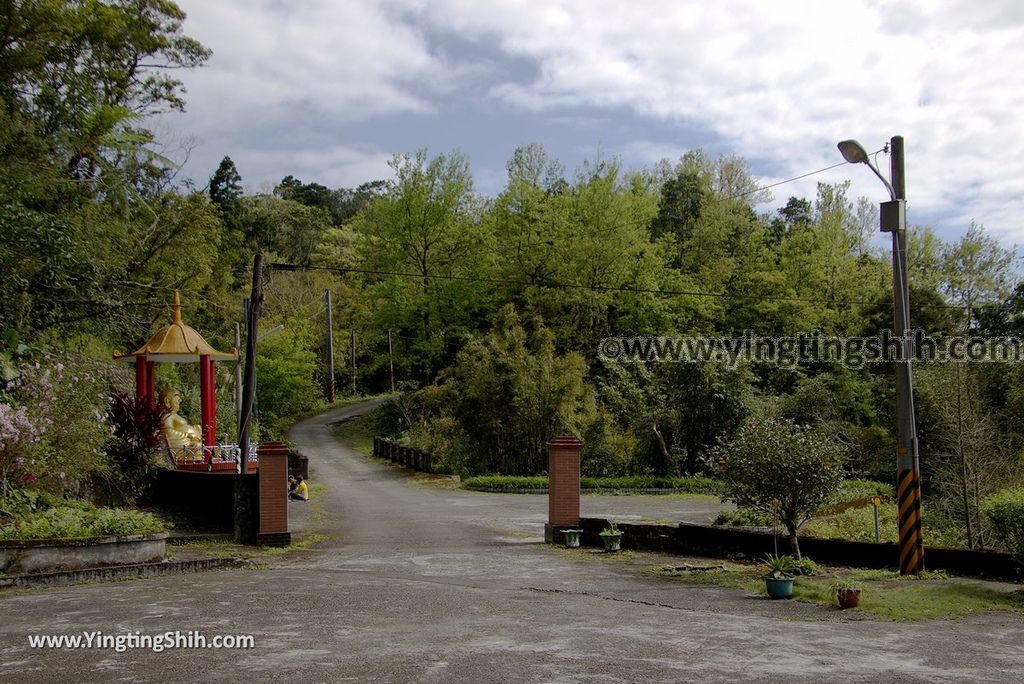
<point x="893" y="217"/>
<point x="908" y="466"/>
<point x="911" y="539"/>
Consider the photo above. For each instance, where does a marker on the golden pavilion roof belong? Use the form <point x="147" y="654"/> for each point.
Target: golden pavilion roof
<point x="178" y="342"/>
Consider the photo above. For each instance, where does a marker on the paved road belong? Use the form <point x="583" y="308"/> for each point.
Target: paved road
<point x="422" y="584"/>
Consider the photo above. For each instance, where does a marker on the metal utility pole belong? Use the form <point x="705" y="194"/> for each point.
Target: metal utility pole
<point x="352" y="344"/>
<point x="893" y="217"/>
<point x="391" y="362"/>
<point x="908" y="462"/>
<point x="330" y="347"/>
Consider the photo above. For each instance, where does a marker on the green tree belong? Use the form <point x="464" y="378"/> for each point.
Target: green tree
<point x="510" y="393"/>
<point x="423" y="239"/>
<point x="225" y="185"/>
<point x="781" y="470"/>
<point x="977" y="270"/>
<point x="74" y="68"/>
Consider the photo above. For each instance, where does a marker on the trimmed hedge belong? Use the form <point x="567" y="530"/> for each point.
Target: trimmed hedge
<point x="1004" y="512"/>
<point x="77" y="520"/>
<point x="538" y="483"/>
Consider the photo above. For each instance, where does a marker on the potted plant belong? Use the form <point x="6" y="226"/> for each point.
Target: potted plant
<point x="572" y="538"/>
<point x="847" y="594"/>
<point x="612" y="538"/>
<point x="779" y="579"/>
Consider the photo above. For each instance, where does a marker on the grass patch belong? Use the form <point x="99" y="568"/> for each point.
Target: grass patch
<point x="215" y="548"/>
<point x="358" y="434"/>
<point x="886" y="595"/>
<point x="516" y="483"/>
<point x="308" y="540"/>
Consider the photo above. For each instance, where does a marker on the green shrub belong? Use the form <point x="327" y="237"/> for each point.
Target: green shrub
<point x="857" y="490"/>
<point x="76" y="519"/>
<point x="782" y="470"/>
<point x="513" y="483"/>
<point x="65" y="399"/>
<point x="505" y="483"/>
<point x="1004" y="512"/>
<point x="742" y="517"/>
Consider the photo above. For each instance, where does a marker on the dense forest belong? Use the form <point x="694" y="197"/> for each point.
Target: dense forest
<point x="485" y="311"/>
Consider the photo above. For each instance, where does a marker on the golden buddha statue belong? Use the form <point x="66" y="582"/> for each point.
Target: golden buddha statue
<point x="177" y="431"/>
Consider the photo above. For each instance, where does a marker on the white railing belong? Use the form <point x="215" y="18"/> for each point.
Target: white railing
<point x="230" y="453"/>
<point x="208" y="455"/>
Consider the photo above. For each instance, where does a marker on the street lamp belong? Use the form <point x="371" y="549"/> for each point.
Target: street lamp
<point x="893" y="219"/>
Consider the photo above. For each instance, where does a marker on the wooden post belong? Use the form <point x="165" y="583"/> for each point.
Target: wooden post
<point x="352" y="343"/>
<point x="249" y="381"/>
<point x="391" y="362"/>
<point x="330" y="348"/>
<point x="238" y="379"/>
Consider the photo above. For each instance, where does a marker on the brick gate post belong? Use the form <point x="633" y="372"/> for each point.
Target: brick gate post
<point x="273" y="473"/>
<point x="563" y="486"/>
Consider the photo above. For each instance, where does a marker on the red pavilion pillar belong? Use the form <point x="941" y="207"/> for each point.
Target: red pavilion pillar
<point x="151" y="384"/>
<point x="141" y="378"/>
<point x="207" y="403"/>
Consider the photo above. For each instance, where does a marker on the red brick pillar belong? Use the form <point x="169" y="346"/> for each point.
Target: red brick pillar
<point x="563" y="485"/>
<point x="273" y="474"/>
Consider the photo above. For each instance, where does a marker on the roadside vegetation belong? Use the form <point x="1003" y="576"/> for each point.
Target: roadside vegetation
<point x="74" y="519"/>
<point x="487" y="313"/>
<point x="631" y="483"/>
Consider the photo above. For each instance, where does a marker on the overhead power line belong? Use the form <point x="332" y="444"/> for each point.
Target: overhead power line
<point x="796" y="178"/>
<point x="277" y="266"/>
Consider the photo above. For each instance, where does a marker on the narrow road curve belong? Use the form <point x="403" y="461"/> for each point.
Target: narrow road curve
<point x="419" y="583"/>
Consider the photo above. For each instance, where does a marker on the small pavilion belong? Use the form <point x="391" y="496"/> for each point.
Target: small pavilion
<point x="180" y="343"/>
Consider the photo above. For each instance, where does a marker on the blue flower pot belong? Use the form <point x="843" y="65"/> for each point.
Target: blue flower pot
<point x="779" y="588"/>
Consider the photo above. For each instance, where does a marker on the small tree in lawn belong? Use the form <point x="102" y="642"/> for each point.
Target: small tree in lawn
<point x="781" y="469"/>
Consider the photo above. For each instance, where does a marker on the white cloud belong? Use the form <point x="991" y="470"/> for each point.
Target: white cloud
<point x="776" y="82"/>
<point x="286" y="76"/>
<point x="781" y="82"/>
<point x="337" y="166"/>
<point x="350" y="60"/>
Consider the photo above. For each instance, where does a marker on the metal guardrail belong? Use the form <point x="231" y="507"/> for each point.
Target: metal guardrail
<point x="405" y="456"/>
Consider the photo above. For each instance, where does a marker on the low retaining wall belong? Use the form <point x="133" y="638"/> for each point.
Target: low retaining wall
<point x="119" y="572"/>
<point x="32" y="556"/>
<point x="206" y="500"/>
<point x="711" y="540"/>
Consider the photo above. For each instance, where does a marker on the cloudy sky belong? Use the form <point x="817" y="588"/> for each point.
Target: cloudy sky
<point x="328" y="90"/>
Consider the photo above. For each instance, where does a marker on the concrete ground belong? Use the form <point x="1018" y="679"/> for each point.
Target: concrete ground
<point x="420" y="583"/>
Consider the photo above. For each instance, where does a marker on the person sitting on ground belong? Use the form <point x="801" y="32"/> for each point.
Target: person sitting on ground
<point x="301" y="491"/>
<point x="292" y="483"/>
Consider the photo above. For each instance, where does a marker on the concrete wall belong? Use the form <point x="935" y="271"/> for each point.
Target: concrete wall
<point x="711" y="540"/>
<point x="205" y="500"/>
<point x="22" y="557"/>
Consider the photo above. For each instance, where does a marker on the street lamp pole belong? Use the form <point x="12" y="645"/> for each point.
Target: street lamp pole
<point x="893" y="217"/>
